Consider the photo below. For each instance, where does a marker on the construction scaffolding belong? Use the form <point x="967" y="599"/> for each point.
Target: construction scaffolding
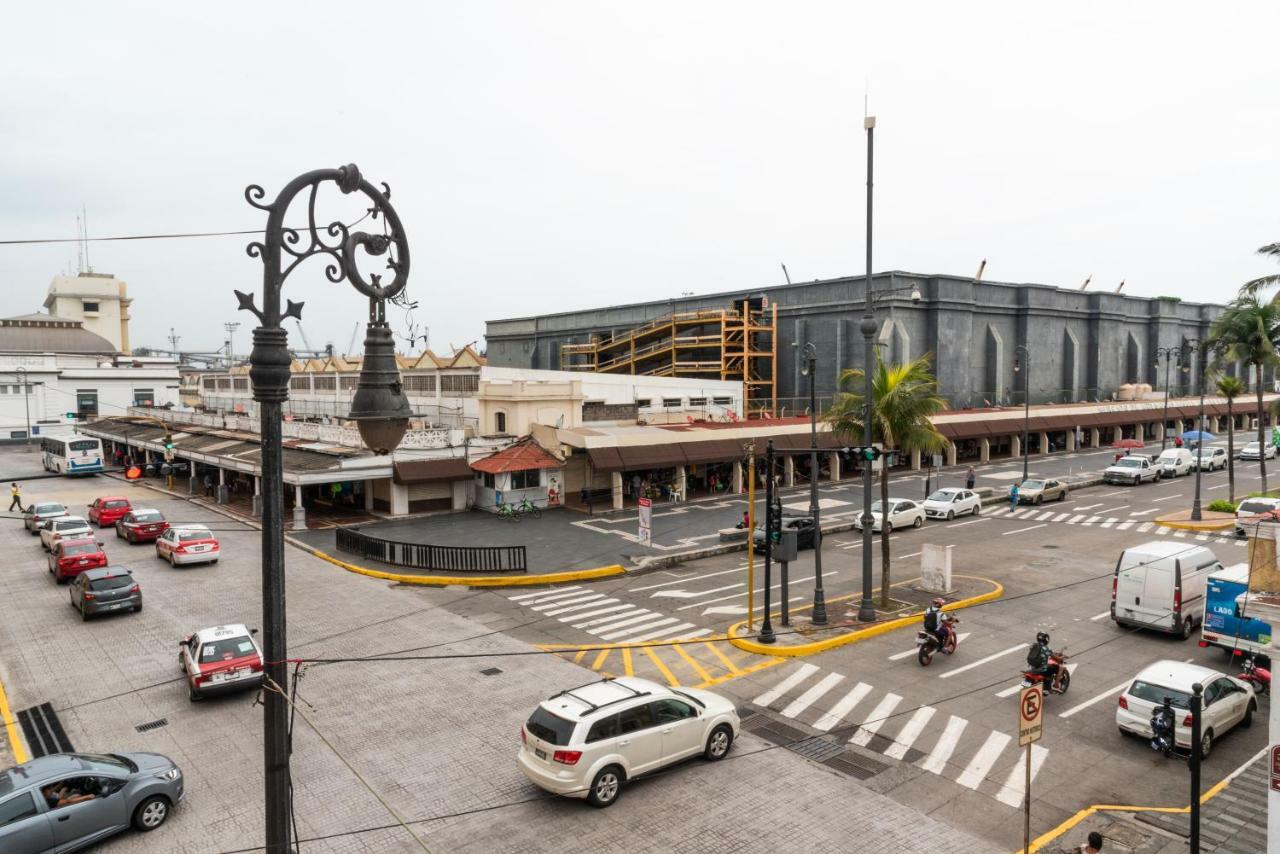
<point x="738" y="343"/>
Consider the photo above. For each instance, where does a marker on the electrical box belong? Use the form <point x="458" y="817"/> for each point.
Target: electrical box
<point x="787" y="547"/>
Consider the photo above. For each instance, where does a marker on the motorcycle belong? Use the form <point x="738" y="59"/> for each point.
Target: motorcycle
<point x="1258" y="677"/>
<point x="928" y="641"/>
<point x="1161" y="732"/>
<point x="1061" y="679"/>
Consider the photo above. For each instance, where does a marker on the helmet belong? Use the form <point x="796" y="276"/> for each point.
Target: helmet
<point x="1042" y="637"/>
<point x="939" y="602"/>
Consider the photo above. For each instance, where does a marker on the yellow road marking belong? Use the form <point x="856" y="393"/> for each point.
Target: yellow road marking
<point x="657" y="662"/>
<point x="626" y="662"/>
<point x="728" y="665"/>
<point x="758" y="666"/>
<point x="11" y="728"/>
<point x="599" y="662"/>
<point x="697" y="668"/>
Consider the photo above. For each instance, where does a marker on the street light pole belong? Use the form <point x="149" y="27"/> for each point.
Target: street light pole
<point x="1167" y="353"/>
<point x="809" y="366"/>
<point x="766" y="624"/>
<point x="1201" y="350"/>
<point x="1025" y="352"/>
<point x="866" y="608"/>
<point x="26" y="402"/>
<point x="379" y="407"/>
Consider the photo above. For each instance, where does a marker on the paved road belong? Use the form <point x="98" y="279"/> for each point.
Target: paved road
<point x="435" y="738"/>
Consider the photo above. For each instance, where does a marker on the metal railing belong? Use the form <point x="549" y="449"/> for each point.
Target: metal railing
<point x="441" y="558"/>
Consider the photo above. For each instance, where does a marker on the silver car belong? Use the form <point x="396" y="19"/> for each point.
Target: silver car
<point x="35" y="514"/>
<point x="68" y="801"/>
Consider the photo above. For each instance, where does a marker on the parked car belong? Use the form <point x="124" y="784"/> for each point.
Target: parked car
<point x="1227" y="702"/>
<point x="1160" y="585"/>
<point x="35" y="514"/>
<point x="71" y="556"/>
<point x="1175" y="462"/>
<point x="188" y="544"/>
<point x="1254" y="451"/>
<point x="1211" y="459"/>
<point x="802" y="525"/>
<point x="1251" y="507"/>
<point x="63" y="526"/>
<point x="112" y="791"/>
<point x="952" y="502"/>
<point x="220" y="660"/>
<point x="1040" y="491"/>
<point x="588" y="742"/>
<point x="141" y="525"/>
<point x="1132" y="469"/>
<point x="105" y="511"/>
<point x="102" y="591"/>
<point x="903" y="513"/>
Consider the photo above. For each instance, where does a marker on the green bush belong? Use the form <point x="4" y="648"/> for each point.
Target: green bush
<point x="1269" y="494"/>
<point x="1221" y="506"/>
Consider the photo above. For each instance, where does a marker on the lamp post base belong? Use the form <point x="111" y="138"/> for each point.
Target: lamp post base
<point x="766" y="632"/>
<point x="866" y="611"/>
<point x="819" y="617"/>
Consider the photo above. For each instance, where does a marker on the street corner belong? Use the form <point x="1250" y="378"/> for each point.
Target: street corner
<point x="13" y="750"/>
<point x="1210" y="520"/>
<point x="908" y="600"/>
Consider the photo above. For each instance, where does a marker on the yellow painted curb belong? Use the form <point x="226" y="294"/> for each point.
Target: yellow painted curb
<point x="11" y="728"/>
<point x="479" y="581"/>
<point x="801" y="650"/>
<point x="1219" y="524"/>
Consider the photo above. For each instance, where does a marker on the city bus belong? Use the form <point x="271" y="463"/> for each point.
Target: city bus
<point x="72" y="455"/>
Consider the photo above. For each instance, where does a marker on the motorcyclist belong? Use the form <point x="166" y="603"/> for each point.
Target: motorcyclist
<point x="1039" y="659"/>
<point x="1162" y="721"/>
<point x="935" y="623"/>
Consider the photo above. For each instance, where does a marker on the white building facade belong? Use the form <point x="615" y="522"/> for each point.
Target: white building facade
<point x="99" y="301"/>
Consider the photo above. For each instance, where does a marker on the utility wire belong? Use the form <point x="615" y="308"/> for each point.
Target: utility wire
<point x="171" y="236"/>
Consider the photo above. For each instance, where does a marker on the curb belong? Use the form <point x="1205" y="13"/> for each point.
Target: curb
<point x="801" y="650"/>
<point x="1221" y="525"/>
<point x="20" y="755"/>
<point x="480" y="581"/>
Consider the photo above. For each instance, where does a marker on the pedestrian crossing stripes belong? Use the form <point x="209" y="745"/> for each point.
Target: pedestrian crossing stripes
<point x="1035" y="514"/>
<point x="885" y="722"/>
<point x="607" y="618"/>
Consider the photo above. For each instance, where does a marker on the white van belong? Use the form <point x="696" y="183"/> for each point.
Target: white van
<point x="1175" y="462"/>
<point x="1161" y="585"/>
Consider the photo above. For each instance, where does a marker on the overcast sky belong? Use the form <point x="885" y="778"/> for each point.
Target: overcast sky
<point x="553" y="156"/>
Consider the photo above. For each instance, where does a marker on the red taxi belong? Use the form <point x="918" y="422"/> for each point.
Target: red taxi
<point x="105" y="511"/>
<point x="220" y="660"/>
<point x="70" y="557"/>
<point x="141" y="525"/>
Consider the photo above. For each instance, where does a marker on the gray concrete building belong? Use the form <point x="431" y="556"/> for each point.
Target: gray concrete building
<point x="1084" y="345"/>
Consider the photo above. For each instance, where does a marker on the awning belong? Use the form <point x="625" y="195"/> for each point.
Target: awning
<point x="425" y="471"/>
<point x="605" y="459"/>
<point x="651" y="456"/>
<point x="713" y="451"/>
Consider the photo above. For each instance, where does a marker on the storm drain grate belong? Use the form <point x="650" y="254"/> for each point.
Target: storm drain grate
<point x="44" y="731"/>
<point x="855" y="765"/>
<point x="150" y="725"/>
<point x="817" y="748"/>
<point x="491" y="671"/>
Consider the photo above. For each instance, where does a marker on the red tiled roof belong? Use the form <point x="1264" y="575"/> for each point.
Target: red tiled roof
<point x="521" y="456"/>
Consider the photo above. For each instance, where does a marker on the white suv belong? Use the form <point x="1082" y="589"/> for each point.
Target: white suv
<point x="588" y="742"/>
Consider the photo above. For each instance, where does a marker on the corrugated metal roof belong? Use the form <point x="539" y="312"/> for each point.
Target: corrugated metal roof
<point x="44" y="336"/>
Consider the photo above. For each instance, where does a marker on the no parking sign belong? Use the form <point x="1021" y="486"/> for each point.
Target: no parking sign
<point x="1030" y="709"/>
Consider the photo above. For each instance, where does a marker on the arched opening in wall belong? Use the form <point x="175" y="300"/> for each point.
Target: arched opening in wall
<point x="1132" y="369"/>
<point x="1070" y="367"/>
<point x="992" y="392"/>
<point x="500" y="422"/>
<point x="896" y="342"/>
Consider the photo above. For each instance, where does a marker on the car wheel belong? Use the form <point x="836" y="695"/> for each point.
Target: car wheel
<point x="1039" y="500"/>
<point x="606" y="787"/>
<point x="888" y="527"/>
<point x="1247" y="720"/>
<point x="1206" y="744"/>
<point x="951" y="514"/>
<point x="918" y="522"/>
<point x="977" y="509"/>
<point x="1187" y="628"/>
<point x="137" y="610"/>
<point x="718" y="743"/>
<point x="84" y="615"/>
<point x="1062" y="496"/>
<point x="191" y="693"/>
<point x="151" y="813"/>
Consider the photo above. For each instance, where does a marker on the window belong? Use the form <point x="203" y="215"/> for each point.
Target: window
<point x="210" y="383"/>
<point x="300" y="383"/>
<point x="87" y="401"/>
<point x="115" y="582"/>
<point x="697" y="401"/>
<point x="1157" y="693"/>
<point x="347" y="382"/>
<point x="499" y="422"/>
<point x="635" y="719"/>
<point x="603" y="728"/>
<point x="241" y="383"/>
<point x="324" y="383"/>
<point x="671" y="401"/>
<point x="223" y="382"/>
<point x="529" y="479"/>
<point x="548" y="727"/>
<point x="420" y="382"/>
<point x="17" y="808"/>
<point x="459" y="384"/>
<point x="722" y="401"/>
<point x="642" y="402"/>
<point x="90" y="307"/>
<point x="670" y="711"/>
<point x="488" y="480"/>
<point x="227" y="649"/>
<point x="144" y="397"/>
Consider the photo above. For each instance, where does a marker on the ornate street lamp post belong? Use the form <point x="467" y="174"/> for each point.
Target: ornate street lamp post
<point x="379" y="406"/>
<point x="1169" y="354"/>
<point x="809" y="368"/>
<point x="1023" y="352"/>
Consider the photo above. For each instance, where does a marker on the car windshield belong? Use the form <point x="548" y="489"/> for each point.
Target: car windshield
<point x="194" y="534"/>
<point x="110" y="760"/>
<point x="943" y="495"/>
<point x="225" y="649"/>
<point x="80" y="549"/>
<point x="1156" y="694"/>
<point x="689" y="697"/>
<point x="550" y="728"/>
<point x="1250" y="508"/>
<point x="153" y="516"/>
<point x="112" y="582"/>
<point x="1252" y="446"/>
<point x="69" y="525"/>
<point x="1208" y="452"/>
<point x="45" y="509"/>
<point x="84" y="445"/>
<point x="1129" y="463"/>
<point x="876" y="507"/>
<point x="1033" y="484"/>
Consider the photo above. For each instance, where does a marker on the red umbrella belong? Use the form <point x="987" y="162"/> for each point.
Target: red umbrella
<point x="1128" y="443"/>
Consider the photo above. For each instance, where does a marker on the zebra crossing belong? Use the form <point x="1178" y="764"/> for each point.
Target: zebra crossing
<point x="971" y="755"/>
<point x="1118" y="523"/>
<point x="606" y="617"/>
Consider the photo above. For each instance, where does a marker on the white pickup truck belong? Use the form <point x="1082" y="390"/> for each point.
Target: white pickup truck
<point x="1132" y="469"/>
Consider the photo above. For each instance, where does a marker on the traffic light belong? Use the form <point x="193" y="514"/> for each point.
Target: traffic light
<point x="168" y="448"/>
<point x="870" y="454"/>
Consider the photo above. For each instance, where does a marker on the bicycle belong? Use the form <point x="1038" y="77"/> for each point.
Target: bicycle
<point x="528" y="508"/>
<point x="507" y="512"/>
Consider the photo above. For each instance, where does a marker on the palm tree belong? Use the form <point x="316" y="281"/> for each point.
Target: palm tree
<point x="903" y="398"/>
<point x="1230" y="388"/>
<point x="1247" y="331"/>
<point x="1251" y="288"/>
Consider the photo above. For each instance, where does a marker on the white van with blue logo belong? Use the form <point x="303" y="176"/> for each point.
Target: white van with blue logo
<point x="1227" y="624"/>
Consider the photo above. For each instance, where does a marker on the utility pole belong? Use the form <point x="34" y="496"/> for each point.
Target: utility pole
<point x="766" y="624"/>
<point x="867" y="608"/>
<point x="1197" y="693"/>
<point x="750" y="449"/>
<point x="1025" y="352"/>
<point x="231" y="353"/>
<point x="173" y="344"/>
<point x="810" y="365"/>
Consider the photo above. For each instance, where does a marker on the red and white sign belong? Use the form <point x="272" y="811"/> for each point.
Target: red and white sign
<point x="646" y="522"/>
<point x="1030" y="709"/>
<point x="1275" y="768"/>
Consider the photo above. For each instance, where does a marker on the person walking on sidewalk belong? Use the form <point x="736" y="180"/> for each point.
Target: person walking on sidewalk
<point x="1013" y="498"/>
<point x="970" y="478"/>
<point x="16" y="492"/>
<point x="1093" y="845"/>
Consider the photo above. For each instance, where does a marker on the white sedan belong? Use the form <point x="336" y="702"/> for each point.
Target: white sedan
<point x="62" y="527"/>
<point x="902" y="514"/>
<point x="1253" y="451"/>
<point x="1227" y="702"/>
<point x="952" y="502"/>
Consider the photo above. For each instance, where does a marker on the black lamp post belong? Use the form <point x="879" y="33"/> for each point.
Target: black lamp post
<point x="1022" y="357"/>
<point x="1202" y="353"/>
<point x="379" y="406"/>
<point x="1168" y="354"/>
<point x="809" y="368"/>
